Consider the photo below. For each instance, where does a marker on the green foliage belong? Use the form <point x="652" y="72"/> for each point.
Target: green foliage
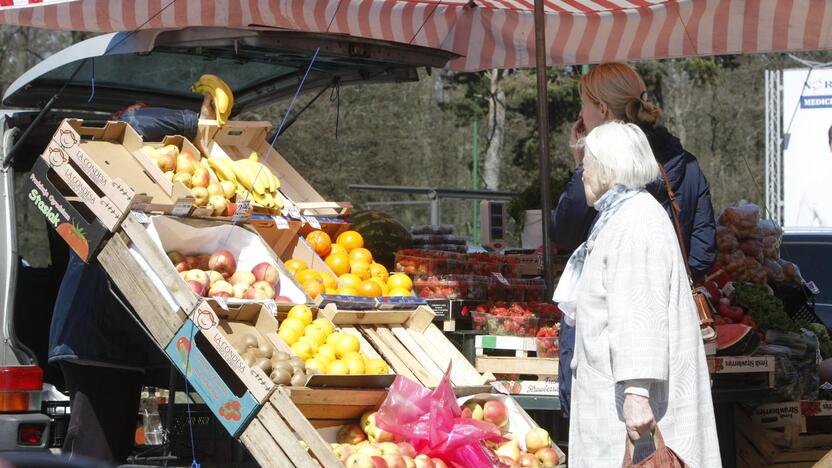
<point x="766" y="309"/>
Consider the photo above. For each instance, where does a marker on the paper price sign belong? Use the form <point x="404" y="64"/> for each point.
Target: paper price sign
<point x="294" y="212"/>
<point x="182" y="209"/>
<point x="272" y="307"/>
<point x="243" y="211"/>
<point x="141" y="217"/>
<point x="313" y="221"/>
<point x="280" y="222"/>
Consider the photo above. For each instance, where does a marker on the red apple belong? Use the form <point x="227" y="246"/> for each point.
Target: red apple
<point x="200" y="196"/>
<point x="388" y="448"/>
<point x="242" y="276"/>
<point x="408" y="462"/>
<point x="189" y="154"/>
<point x="221" y="287"/>
<point x="283" y="300"/>
<point x="214" y="276"/>
<point x="166" y="161"/>
<point x="537" y="439"/>
<point x="496" y="413"/>
<point x="179" y="261"/>
<point x="230" y="209"/>
<point x="201" y="178"/>
<point x="359" y="461"/>
<point x="395" y="461"/>
<point x="184" y="164"/>
<point x="265" y="287"/>
<point x="199" y="276"/>
<point x="509" y="462"/>
<point x="215" y="190"/>
<point x="423" y="461"/>
<point x="223" y="262"/>
<point x="351" y="434"/>
<point x="217" y="204"/>
<point x="472" y="410"/>
<point x="228" y="189"/>
<point x="548" y="457"/>
<point x="196" y="286"/>
<point x="265" y="271"/>
<point x="406" y="450"/>
<point x="379" y="462"/>
<point x="240" y="290"/>
<point x="370" y="449"/>
<point x="438" y="463"/>
<point x="510" y="450"/>
<point x="528" y="460"/>
<point x="255" y="294"/>
<point x="343" y="451"/>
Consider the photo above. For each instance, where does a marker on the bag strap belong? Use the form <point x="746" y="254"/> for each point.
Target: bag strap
<point x="675" y="211"/>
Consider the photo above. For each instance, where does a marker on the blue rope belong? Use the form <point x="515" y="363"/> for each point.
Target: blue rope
<point x="92" y="81"/>
<point x="194" y="463"/>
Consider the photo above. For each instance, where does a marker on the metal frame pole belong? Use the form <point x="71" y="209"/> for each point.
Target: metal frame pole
<point x="543" y="133"/>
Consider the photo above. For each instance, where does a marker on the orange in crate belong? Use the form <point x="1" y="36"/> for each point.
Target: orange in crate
<point x="314" y="288"/>
<point x="369" y="288"/>
<point x="339" y="263"/>
<point x="350" y="240"/>
<point x="361" y="255"/>
<point x="308" y="274"/>
<point x="320" y="241"/>
<point x="294" y="265"/>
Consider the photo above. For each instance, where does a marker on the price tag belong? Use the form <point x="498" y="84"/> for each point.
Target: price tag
<point x="272" y="307"/>
<point x="502" y="279"/>
<point x="280" y="222"/>
<point x="141" y="217"/>
<point x="312" y="221"/>
<point x="243" y="211"/>
<point x="294" y="212"/>
<point x="813" y="288"/>
<point x="182" y="208"/>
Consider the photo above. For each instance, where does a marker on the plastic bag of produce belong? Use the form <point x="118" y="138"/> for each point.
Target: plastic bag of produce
<point x="431" y="421"/>
<point x="726" y="240"/>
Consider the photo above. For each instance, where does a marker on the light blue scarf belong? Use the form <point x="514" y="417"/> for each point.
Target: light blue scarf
<point x="566" y="294"/>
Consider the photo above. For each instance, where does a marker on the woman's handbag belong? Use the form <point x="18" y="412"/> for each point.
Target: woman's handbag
<point x="663" y="457"/>
<point x="703" y="305"/>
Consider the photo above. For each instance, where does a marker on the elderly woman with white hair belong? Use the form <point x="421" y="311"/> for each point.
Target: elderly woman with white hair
<point x="639" y="359"/>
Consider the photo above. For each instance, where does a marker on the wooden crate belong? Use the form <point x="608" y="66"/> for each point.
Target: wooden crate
<point x="521" y="346"/>
<point x="760" y="447"/>
<point x="410" y="343"/>
<point x="543" y="368"/>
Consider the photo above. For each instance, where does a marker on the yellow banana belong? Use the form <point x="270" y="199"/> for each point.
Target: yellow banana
<point x="259" y="180"/>
<point x="244" y="174"/>
<point x="254" y="157"/>
<point x="224" y="168"/>
<point x="279" y="201"/>
<point x="213" y="175"/>
<point x="220" y="93"/>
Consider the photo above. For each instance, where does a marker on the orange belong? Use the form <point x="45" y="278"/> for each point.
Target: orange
<point x="339" y="263"/>
<point x="370" y="288"/>
<point x="331" y="291"/>
<point x="400" y="280"/>
<point x="301" y="313"/>
<point x="384" y="288"/>
<point x="308" y="274"/>
<point x="329" y="281"/>
<point x="360" y="269"/>
<point x="347" y="291"/>
<point x="337" y="249"/>
<point x="314" y="288"/>
<point x="337" y="367"/>
<point x="350" y="240"/>
<point x="361" y="254"/>
<point x="320" y="241"/>
<point x="350" y="280"/>
<point x="346" y="344"/>
<point x="377" y="270"/>
<point x="294" y="265"/>
<point x="399" y="292"/>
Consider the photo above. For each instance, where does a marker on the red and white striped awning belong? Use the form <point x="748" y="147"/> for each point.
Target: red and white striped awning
<point x="485" y="33"/>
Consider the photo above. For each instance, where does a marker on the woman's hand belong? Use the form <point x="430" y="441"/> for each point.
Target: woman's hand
<point x="575" y="134"/>
<point x="638" y="416"/>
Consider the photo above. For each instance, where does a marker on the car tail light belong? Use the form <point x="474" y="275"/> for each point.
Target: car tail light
<point x="21" y="389"/>
<point x="30" y="434"/>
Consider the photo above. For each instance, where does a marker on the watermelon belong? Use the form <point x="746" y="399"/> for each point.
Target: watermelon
<point x="383" y="235"/>
<point x="736" y="339"/>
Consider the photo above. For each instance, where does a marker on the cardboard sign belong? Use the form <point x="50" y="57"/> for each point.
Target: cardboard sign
<point x="84" y="236"/>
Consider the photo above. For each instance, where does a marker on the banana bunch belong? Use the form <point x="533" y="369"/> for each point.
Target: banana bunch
<point x="220" y="94"/>
<point x="252" y="179"/>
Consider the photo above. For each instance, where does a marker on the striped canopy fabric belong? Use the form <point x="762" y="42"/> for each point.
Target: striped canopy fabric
<point x="484" y="33"/>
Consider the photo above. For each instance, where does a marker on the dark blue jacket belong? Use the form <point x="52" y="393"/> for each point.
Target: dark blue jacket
<point x="572" y="219"/>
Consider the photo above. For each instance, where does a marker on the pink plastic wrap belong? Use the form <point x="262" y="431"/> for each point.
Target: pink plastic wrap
<point x="430" y="420"/>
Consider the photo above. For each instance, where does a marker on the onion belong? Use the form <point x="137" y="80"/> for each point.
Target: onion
<point x="266" y="351"/>
<point x="281" y="377"/>
<point x="249" y="340"/>
<point x="264" y="364"/>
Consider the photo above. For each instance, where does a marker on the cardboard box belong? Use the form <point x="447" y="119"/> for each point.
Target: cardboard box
<point x="794" y="413"/>
<point x="106" y="168"/>
<point x="203" y="237"/>
<point x="237" y="139"/>
<point x="72" y="219"/>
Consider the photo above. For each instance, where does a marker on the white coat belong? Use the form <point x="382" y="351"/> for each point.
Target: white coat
<point x="636" y="320"/>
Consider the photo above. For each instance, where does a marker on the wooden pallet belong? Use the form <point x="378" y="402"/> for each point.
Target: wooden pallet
<point x="761" y="447"/>
<point x="521" y="346"/>
<point x="543" y="368"/>
<point x="409" y="342"/>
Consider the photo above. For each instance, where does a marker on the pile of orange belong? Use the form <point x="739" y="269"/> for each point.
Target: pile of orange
<point x="356" y="271"/>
